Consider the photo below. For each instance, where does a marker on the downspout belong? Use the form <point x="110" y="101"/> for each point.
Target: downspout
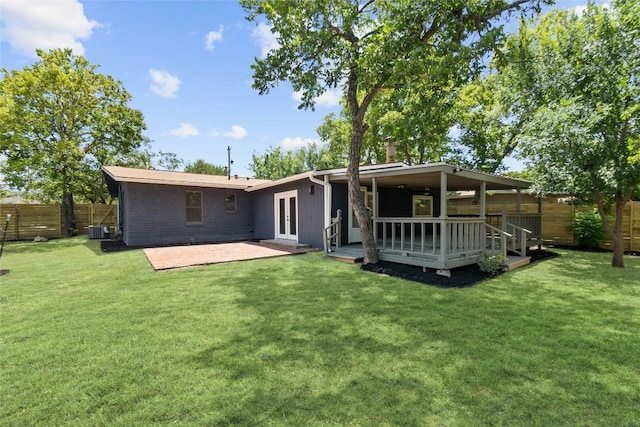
<point x="327" y="197"/>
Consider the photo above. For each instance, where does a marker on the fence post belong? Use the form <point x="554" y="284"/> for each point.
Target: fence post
<point x="16" y="222"/>
<point x="632" y="237"/>
<point x="60" y="227"/>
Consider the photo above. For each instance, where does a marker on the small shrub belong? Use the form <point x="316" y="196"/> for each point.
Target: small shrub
<point x="587" y="229"/>
<point x="492" y="264"/>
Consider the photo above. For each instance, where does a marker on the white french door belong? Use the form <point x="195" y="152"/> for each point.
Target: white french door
<point x="354" y="227"/>
<point x="286" y="215"/>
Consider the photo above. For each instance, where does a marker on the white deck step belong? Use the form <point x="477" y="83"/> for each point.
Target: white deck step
<point x="285" y="243"/>
<point x="513" y="262"/>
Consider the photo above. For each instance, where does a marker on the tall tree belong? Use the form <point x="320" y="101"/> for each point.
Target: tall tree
<point x="60" y="120"/>
<point x="585" y="137"/>
<point x="200" y="166"/>
<point x="369" y="47"/>
<point x="416" y="120"/>
<point x="493" y="109"/>
<point x="276" y="163"/>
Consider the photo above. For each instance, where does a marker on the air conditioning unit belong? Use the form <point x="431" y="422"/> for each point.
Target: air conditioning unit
<point x="99" y="231"/>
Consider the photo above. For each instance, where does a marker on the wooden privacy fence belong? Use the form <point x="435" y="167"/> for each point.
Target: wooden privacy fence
<point x="557" y="226"/>
<point x="31" y="220"/>
<point x="557" y="220"/>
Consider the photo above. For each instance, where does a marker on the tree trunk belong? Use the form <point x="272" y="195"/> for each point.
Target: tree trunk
<point x="358" y="128"/>
<point x="363" y="215"/>
<point x="615" y="233"/>
<point x="618" y="238"/>
<point x="68" y="214"/>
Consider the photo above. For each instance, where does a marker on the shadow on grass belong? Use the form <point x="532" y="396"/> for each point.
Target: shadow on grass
<point x="52" y="245"/>
<point x="372" y="350"/>
<point x="30" y="247"/>
<point x="596" y="266"/>
<point x="343" y="352"/>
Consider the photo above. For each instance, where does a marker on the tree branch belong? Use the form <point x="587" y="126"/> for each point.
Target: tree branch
<point x="481" y="19"/>
<point x="366" y="5"/>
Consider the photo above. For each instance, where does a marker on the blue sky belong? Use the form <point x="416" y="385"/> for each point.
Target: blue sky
<point x="186" y="64"/>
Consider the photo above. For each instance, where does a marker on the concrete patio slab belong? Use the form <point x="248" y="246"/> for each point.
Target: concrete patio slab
<point x="186" y="256"/>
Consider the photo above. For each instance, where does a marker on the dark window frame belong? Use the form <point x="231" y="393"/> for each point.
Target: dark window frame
<point x="235" y="203"/>
<point x="190" y="199"/>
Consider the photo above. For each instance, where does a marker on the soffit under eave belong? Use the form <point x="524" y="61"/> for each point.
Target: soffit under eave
<point x="431" y="180"/>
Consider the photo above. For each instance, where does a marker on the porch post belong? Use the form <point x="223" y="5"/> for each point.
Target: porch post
<point x="443" y="194"/>
<point x="374" y="189"/>
<point x="327" y="201"/>
<point x="518" y="199"/>
<point x="444" y="228"/>
<point x="483" y="199"/>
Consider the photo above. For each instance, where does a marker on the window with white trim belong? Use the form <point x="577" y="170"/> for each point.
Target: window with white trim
<point x="422" y="205"/>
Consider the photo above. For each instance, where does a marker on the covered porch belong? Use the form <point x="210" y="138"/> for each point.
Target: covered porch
<point x="423" y="233"/>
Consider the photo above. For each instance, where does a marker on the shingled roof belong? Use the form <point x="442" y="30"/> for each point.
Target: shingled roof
<point x="115" y="174"/>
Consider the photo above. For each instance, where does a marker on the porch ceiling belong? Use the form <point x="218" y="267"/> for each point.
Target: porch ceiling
<point x="421" y="177"/>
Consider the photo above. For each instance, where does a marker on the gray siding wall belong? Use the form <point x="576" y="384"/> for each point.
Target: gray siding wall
<point x="155" y="215"/>
<point x="340" y="200"/>
<point x="310" y="212"/>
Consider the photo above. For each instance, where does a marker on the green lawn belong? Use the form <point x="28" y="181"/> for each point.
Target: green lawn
<point x="101" y="339"/>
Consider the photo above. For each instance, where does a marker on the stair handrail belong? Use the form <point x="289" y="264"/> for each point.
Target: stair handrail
<point x="503" y="239"/>
<point x="331" y="233"/>
<point x="523" y="238"/>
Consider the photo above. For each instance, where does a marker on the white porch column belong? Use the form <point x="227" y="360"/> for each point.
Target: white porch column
<point x="327" y="201"/>
<point x="374" y="190"/>
<point x="483" y="199"/>
<point x="518" y="199"/>
<point x="443" y="194"/>
<point x="444" y="229"/>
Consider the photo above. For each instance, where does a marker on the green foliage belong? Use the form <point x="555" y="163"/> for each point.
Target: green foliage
<point x="491" y="118"/>
<point x="588" y="229"/>
<point x="200" y="166"/>
<point x="60" y="121"/>
<point x="492" y="264"/>
<point x="417" y="120"/>
<point x="276" y="164"/>
<point x="584" y="137"/>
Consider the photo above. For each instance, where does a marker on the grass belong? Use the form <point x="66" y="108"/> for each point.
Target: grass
<point x="101" y="339"/>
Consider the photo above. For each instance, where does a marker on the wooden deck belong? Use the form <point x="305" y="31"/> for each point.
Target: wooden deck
<point x="436" y="243"/>
<point x="353" y="254"/>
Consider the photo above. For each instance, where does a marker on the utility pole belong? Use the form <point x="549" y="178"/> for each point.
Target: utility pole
<point x="229" y="162"/>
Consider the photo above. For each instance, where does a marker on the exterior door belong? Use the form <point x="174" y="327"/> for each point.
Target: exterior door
<point x="286" y="215"/>
<point x="354" y="227"/>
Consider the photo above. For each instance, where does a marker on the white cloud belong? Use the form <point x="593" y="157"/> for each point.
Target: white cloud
<point x="236" y="132"/>
<point x="213" y="37"/>
<point x="296" y="143"/>
<point x="266" y="39"/>
<point x="185" y="130"/>
<point x="163" y="83"/>
<point x="330" y="98"/>
<point x="31" y="25"/>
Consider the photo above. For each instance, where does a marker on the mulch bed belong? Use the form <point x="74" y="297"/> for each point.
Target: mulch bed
<point x="461" y="277"/>
<point x="113" y="246"/>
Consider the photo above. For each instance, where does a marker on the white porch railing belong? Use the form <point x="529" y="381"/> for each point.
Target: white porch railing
<point x="496" y="235"/>
<point x="529" y="221"/>
<point x="519" y="238"/>
<point x="432" y="237"/>
<point x="331" y="234"/>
